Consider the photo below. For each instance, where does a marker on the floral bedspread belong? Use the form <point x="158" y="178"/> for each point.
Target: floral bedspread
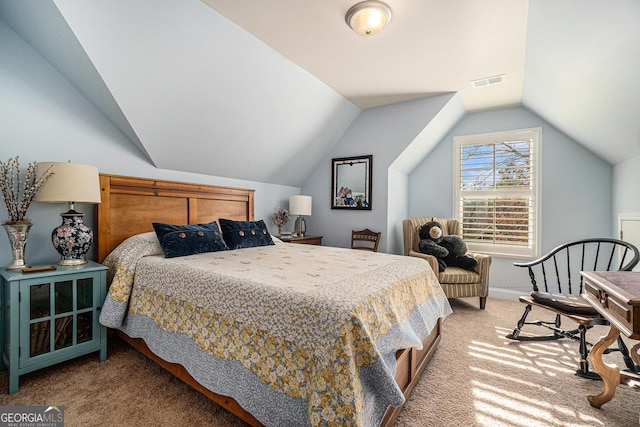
<point x="311" y="330"/>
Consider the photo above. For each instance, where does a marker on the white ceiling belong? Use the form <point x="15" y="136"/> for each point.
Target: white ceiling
<point x="573" y="62"/>
<point x="429" y="47"/>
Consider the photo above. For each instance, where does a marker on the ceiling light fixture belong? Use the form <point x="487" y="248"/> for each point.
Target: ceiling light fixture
<point x="368" y="17"/>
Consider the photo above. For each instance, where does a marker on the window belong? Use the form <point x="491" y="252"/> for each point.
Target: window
<point x="497" y="183"/>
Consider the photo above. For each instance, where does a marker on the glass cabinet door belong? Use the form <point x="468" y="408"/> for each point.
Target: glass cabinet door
<point x="85" y="310"/>
<point x="40" y="319"/>
<point x="61" y="314"/>
<point x="63" y="301"/>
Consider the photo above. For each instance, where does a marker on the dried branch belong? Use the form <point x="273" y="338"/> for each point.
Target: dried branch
<point x="18" y="198"/>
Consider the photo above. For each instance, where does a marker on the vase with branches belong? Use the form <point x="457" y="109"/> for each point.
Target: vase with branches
<point x="280" y="218"/>
<point x="18" y="196"/>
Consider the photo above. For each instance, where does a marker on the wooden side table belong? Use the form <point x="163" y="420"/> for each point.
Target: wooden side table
<point x="306" y="240"/>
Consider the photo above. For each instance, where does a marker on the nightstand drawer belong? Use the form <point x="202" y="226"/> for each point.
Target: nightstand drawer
<point x="306" y="240"/>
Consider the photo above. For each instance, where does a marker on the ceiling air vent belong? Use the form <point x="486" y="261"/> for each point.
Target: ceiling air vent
<point x="488" y="81"/>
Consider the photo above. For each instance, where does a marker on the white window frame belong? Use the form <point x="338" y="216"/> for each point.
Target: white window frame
<point x="532" y="249"/>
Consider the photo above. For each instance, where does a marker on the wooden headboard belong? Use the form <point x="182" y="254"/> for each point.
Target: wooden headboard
<point x="129" y="206"/>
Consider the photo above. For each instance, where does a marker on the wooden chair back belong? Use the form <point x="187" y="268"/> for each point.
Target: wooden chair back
<point x="559" y="270"/>
<point x="365" y="239"/>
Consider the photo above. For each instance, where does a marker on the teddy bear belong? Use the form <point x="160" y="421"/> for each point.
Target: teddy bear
<point x="450" y="251"/>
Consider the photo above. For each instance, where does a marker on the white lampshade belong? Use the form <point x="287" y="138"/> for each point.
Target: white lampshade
<point x="300" y="205"/>
<point x="368" y="17"/>
<point x="69" y="183"/>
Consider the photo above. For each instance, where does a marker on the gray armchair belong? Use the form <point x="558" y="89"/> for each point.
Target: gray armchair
<point x="456" y="282"/>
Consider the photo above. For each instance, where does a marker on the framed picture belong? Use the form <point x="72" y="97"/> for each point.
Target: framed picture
<point x="351" y="183"/>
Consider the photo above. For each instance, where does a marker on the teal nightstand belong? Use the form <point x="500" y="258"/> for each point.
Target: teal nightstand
<point x="50" y="316"/>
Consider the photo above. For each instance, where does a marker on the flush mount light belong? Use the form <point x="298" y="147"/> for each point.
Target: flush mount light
<point x="368" y="17"/>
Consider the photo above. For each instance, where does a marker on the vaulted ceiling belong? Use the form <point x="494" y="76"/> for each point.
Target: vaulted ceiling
<point x="261" y="89"/>
<point x="429" y="47"/>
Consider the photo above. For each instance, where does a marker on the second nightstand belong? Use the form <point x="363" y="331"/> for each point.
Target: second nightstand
<point x="306" y="240"/>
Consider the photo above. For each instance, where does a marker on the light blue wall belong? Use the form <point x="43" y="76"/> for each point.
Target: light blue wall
<point x="576" y="199"/>
<point x="385" y="132"/>
<point x="44" y="118"/>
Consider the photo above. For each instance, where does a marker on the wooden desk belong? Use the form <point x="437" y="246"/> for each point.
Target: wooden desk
<point x="616" y="296"/>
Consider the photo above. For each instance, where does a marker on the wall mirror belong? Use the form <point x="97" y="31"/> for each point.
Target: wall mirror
<point x="351" y="183"/>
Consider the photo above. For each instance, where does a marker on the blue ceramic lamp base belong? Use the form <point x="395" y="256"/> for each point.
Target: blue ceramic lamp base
<point x="72" y="239"/>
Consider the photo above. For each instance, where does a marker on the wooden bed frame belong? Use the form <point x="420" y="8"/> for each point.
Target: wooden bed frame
<point x="129" y="206"/>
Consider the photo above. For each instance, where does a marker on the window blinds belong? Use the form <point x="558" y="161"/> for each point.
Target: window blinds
<point x="496" y="185"/>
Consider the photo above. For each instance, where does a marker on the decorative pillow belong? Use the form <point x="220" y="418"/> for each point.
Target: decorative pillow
<point x="245" y="234"/>
<point x="182" y="240"/>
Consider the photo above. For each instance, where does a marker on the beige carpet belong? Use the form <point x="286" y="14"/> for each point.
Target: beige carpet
<point x="476" y="378"/>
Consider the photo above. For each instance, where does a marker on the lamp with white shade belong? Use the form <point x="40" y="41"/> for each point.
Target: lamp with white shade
<point x="301" y="206"/>
<point x="70" y="183"/>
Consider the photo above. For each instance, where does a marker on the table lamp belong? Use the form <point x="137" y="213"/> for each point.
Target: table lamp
<point x="70" y="183"/>
<point x="301" y="206"/>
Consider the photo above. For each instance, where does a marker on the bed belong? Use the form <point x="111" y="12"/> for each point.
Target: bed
<point x="278" y="334"/>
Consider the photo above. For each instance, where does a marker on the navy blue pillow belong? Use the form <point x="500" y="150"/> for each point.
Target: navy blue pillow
<point x="245" y="234"/>
<point x="182" y="240"/>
